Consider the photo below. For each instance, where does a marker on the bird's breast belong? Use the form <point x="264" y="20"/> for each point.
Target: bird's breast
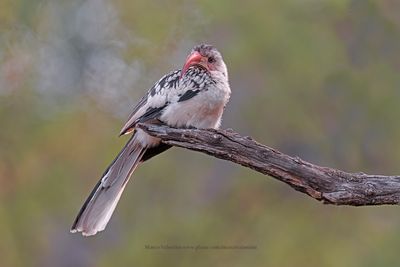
<point x="204" y="110"/>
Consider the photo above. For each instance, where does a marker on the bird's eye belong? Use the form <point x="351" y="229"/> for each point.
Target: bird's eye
<point x="211" y="60"/>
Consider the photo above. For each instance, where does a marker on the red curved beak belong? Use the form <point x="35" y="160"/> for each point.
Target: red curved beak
<point x="194" y="59"/>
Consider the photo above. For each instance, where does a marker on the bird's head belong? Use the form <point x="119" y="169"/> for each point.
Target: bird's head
<point x="207" y="57"/>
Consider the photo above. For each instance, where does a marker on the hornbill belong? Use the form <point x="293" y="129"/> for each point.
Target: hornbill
<point x="193" y="97"/>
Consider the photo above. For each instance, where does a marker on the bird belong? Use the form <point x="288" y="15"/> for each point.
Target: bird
<point x="194" y="96"/>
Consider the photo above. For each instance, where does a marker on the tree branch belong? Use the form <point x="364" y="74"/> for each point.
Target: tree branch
<point x="328" y="185"/>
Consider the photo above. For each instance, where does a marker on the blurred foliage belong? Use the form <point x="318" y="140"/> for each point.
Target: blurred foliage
<point x="316" y="79"/>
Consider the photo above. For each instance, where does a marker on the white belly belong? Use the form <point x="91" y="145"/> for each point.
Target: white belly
<point x="202" y="111"/>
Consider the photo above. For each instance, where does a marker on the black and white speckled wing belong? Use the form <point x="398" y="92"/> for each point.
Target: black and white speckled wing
<point x="151" y="105"/>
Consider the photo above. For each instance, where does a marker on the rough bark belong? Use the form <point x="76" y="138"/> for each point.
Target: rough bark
<point x="331" y="186"/>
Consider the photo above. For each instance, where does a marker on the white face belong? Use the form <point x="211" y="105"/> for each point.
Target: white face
<point x="207" y="57"/>
<point x="212" y="59"/>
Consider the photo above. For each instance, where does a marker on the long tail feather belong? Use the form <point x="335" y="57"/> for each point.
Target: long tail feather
<point x="98" y="208"/>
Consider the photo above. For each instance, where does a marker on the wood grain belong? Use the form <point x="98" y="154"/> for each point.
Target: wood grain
<point x="331" y="186"/>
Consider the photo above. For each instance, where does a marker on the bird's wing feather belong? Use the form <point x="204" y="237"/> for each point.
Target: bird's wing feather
<point x="155" y="100"/>
<point x="188" y="95"/>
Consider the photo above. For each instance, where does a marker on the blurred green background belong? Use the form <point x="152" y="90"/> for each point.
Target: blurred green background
<point x="315" y="79"/>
